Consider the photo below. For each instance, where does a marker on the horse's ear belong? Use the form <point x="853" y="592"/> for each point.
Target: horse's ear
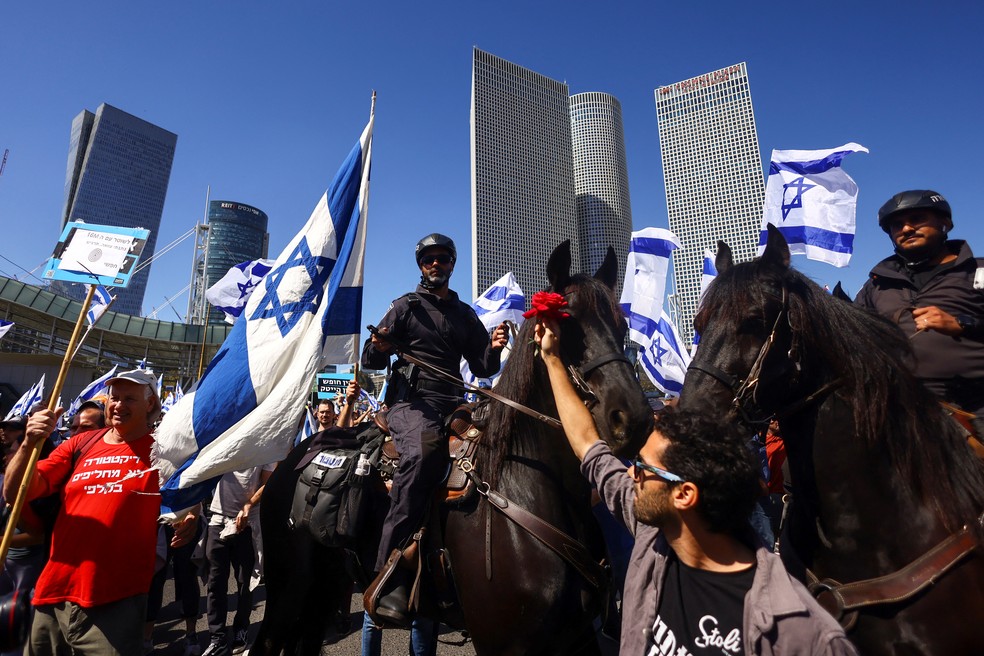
<point x="723" y="260"/>
<point x="608" y="271"/>
<point x="840" y="293"/>
<point x="559" y="266"/>
<point x="776" y="251"/>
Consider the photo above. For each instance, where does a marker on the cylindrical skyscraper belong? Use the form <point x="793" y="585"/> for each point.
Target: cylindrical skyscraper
<point x="601" y="179"/>
<point x="236" y="233"/>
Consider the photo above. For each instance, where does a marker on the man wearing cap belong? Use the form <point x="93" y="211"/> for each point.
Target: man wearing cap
<point x="91" y="596"/>
<point x="433" y="325"/>
<point x="933" y="288"/>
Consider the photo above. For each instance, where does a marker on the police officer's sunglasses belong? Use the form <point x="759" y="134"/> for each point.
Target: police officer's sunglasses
<point x="440" y="258"/>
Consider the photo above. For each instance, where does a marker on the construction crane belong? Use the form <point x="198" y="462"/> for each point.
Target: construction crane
<point x="3" y="163"/>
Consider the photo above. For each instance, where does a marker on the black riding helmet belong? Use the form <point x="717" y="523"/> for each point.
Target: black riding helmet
<point x="435" y="239"/>
<point x="911" y="200"/>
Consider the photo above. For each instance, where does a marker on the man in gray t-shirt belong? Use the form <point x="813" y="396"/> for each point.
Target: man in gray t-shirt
<point x="230" y="544"/>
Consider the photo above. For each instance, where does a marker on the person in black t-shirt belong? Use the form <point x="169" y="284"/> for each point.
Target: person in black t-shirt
<point x="698" y="582"/>
<point x="933" y="289"/>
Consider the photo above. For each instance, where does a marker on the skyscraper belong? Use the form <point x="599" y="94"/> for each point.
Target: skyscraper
<point x="601" y="179"/>
<point x="236" y="233"/>
<point x="118" y="171"/>
<point x="712" y="169"/>
<point x="522" y="173"/>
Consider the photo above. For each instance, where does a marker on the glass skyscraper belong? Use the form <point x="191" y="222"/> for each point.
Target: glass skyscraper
<point x="236" y="233"/>
<point x="522" y="173"/>
<point x="601" y="179"/>
<point x="712" y="169"/>
<point x="118" y="171"/>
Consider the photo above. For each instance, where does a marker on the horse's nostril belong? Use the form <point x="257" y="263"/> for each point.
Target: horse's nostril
<point x="618" y="420"/>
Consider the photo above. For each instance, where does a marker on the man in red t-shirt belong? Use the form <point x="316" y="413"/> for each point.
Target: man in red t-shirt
<point x="91" y="597"/>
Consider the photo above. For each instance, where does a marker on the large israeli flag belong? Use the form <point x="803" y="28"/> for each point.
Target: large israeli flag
<point x="502" y="301"/>
<point x="91" y="391"/>
<point x="665" y="360"/>
<point x="5" y="327"/>
<point x="231" y="293"/>
<point x="31" y="397"/>
<point x="813" y="202"/>
<point x="645" y="280"/>
<point x="305" y="314"/>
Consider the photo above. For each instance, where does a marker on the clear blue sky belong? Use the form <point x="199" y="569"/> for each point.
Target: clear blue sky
<point x="267" y="98"/>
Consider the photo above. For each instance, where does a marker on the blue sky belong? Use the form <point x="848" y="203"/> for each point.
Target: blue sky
<point x="267" y="98"/>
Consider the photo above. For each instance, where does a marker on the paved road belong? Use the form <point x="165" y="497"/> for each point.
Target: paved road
<point x="170" y="629"/>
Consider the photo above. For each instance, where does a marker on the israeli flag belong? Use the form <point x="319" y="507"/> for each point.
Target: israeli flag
<point x="310" y="426"/>
<point x="31" y="397"/>
<point x="502" y="301"/>
<point x="91" y="391"/>
<point x="708" y="273"/>
<point x="305" y="314"/>
<point x="231" y="293"/>
<point x="645" y="280"/>
<point x="167" y="403"/>
<point x="369" y="399"/>
<point x="101" y="301"/>
<point x="160" y="385"/>
<point x="5" y="327"/>
<point x="813" y="202"/>
<point x="665" y="360"/>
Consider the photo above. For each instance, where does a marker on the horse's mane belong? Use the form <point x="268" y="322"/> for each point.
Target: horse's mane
<point x="892" y="411"/>
<point x="524" y="377"/>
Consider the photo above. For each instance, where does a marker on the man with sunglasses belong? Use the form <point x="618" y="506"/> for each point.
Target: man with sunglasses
<point x="435" y="326"/>
<point x="698" y="580"/>
<point x="932" y="288"/>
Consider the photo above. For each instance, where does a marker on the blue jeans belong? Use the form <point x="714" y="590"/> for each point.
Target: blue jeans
<point x="423" y="637"/>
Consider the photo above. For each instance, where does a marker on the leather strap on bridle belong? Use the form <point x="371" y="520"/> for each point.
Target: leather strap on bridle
<point x="552" y="537"/>
<point x="843" y="600"/>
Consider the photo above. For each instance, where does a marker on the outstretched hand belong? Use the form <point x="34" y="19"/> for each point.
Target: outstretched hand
<point x="500" y="336"/>
<point x="546" y="334"/>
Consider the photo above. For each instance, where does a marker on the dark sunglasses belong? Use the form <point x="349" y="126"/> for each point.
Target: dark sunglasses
<point x="662" y="474"/>
<point x="440" y="258"/>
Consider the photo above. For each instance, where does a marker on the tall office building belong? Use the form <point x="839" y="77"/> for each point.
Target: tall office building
<point x="712" y="169"/>
<point x="236" y="233"/>
<point x="601" y="179"/>
<point x="118" y="171"/>
<point x="522" y="173"/>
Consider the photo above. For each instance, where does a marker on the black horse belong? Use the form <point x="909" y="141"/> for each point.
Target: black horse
<point x="517" y="596"/>
<point x="881" y="475"/>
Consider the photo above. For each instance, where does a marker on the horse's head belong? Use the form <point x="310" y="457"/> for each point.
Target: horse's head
<point x="749" y="363"/>
<point x="593" y="347"/>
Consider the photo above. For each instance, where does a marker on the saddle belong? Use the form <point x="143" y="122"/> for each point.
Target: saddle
<point x="965" y="420"/>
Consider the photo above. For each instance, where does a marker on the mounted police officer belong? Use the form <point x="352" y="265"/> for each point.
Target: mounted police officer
<point x="933" y="288"/>
<point x="433" y="325"/>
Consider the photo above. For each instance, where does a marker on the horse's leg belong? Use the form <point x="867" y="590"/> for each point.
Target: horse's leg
<point x="328" y="577"/>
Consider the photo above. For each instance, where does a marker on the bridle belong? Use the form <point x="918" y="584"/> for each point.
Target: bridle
<point x="746" y="401"/>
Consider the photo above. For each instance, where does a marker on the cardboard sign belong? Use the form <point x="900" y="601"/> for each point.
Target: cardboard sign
<point x="96" y="254"/>
<point x="331" y="386"/>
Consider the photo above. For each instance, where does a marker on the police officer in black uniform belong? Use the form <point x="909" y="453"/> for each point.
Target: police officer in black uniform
<point x="933" y="288"/>
<point x="433" y="325"/>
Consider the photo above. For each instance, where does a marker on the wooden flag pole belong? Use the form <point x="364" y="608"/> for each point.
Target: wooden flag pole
<point x="32" y="463"/>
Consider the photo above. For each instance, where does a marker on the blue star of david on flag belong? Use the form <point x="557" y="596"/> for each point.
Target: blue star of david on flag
<point x="657" y="351"/>
<point x="289" y="313"/>
<point x="800" y="186"/>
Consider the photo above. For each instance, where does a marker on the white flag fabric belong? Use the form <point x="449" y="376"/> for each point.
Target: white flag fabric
<point x="305" y="314"/>
<point x="708" y="273"/>
<point x="231" y="293"/>
<point x="91" y="391"/>
<point x="502" y="301"/>
<point x="101" y="301"/>
<point x="813" y="202"/>
<point x="665" y="360"/>
<point x="369" y="399"/>
<point x="24" y="404"/>
<point x="645" y="281"/>
<point x="5" y="327"/>
<point x="160" y="385"/>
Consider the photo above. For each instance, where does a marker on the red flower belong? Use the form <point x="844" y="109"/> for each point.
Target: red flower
<point x="549" y="305"/>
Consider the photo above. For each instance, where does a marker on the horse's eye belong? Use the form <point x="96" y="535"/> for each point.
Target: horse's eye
<point x="751" y="326"/>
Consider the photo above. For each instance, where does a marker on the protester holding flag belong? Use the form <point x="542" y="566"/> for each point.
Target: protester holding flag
<point x="91" y="596"/>
<point x="435" y="326"/>
<point x="932" y="288"/>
